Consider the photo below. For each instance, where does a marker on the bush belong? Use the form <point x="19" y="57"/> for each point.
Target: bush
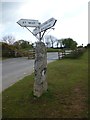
<point x="75" y="53"/>
<point x="8" y="50"/>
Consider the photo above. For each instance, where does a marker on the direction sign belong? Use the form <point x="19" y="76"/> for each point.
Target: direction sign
<point x="28" y="23"/>
<point x="48" y="24"/>
<point x="44" y="26"/>
<point x="36" y="31"/>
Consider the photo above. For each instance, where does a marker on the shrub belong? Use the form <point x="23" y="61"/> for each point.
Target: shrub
<point x="75" y="53"/>
<point x="8" y="50"/>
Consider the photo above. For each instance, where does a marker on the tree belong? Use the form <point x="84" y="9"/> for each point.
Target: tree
<point x="51" y="40"/>
<point x="22" y="44"/>
<point x="88" y="45"/>
<point x="8" y="50"/>
<point x="69" y="43"/>
<point x="59" y="42"/>
<point x="47" y="41"/>
<point x="9" y="39"/>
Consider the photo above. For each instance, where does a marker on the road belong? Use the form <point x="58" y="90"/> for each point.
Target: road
<point x="16" y="68"/>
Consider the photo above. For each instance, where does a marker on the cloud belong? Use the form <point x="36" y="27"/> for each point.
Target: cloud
<point x="10" y="11"/>
<point x="71" y="17"/>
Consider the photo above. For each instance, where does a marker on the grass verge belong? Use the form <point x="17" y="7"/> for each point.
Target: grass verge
<point x="53" y="49"/>
<point x="67" y="95"/>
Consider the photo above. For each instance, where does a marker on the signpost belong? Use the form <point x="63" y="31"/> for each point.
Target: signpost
<point x="28" y="23"/>
<point x="40" y="64"/>
<point x="44" y="26"/>
<point x="48" y="24"/>
<point x="36" y="31"/>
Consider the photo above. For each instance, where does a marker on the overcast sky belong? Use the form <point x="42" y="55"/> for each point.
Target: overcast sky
<point x="71" y="15"/>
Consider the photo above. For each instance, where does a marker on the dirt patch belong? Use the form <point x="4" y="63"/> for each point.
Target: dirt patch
<point x="78" y="106"/>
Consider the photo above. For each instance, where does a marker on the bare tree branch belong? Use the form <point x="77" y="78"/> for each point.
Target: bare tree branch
<point x="9" y="39"/>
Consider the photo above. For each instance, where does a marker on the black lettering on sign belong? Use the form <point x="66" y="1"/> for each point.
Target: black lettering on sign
<point x="31" y="22"/>
<point x="51" y="20"/>
<point x="24" y="22"/>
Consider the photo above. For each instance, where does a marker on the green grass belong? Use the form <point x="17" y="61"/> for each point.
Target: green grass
<point x="67" y="95"/>
<point x="53" y="49"/>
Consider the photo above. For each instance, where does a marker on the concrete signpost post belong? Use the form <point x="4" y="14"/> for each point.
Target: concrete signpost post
<point x="40" y="65"/>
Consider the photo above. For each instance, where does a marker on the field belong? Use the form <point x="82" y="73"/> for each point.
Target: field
<point x="67" y="95"/>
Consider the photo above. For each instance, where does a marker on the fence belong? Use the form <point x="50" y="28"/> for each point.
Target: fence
<point x="31" y="54"/>
<point x="62" y="54"/>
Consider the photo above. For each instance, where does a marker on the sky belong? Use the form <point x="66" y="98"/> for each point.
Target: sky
<point x="71" y="16"/>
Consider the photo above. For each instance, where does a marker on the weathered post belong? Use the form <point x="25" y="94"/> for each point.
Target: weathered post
<point x="40" y="65"/>
<point x="40" y="68"/>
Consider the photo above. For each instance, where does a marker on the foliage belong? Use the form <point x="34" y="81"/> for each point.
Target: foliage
<point x="22" y="44"/>
<point x="69" y="43"/>
<point x="8" y="50"/>
<point x="75" y="53"/>
<point x="88" y="45"/>
<point x="50" y="40"/>
<point x="59" y="41"/>
<point x="17" y="49"/>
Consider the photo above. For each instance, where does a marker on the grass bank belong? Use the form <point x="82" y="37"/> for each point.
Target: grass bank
<point x="67" y="95"/>
<point x="53" y="49"/>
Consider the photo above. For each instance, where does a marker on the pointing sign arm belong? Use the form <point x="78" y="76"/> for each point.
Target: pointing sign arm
<point x="46" y="25"/>
<point x="35" y="23"/>
<point x="28" y="23"/>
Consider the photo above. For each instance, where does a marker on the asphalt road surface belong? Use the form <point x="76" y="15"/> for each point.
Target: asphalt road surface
<point x="16" y="68"/>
